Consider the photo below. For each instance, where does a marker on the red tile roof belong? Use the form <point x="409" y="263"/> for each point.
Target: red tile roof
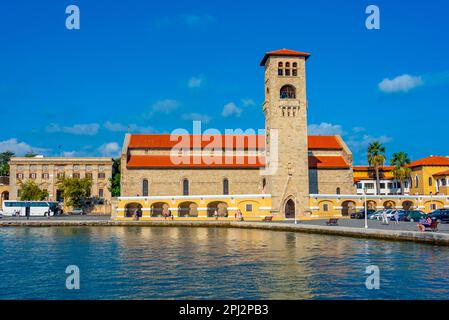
<point x="368" y="168"/>
<point x="165" y="161"/>
<point x="249" y="162"/>
<point x="444" y="173"/>
<point x="162" y="141"/>
<point x="324" y="142"/>
<point x="431" y="161"/>
<point x="328" y="162"/>
<point x="284" y="52"/>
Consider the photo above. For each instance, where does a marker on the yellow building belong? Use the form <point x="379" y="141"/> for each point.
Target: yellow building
<point x="429" y="176"/>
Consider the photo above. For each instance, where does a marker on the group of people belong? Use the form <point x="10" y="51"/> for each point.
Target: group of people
<point x="424" y="223"/>
<point x="385" y="217"/>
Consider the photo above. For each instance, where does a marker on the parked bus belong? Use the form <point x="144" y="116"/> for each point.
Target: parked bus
<point x="37" y="208"/>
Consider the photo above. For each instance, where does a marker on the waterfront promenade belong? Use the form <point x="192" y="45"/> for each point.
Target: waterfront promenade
<point x="404" y="231"/>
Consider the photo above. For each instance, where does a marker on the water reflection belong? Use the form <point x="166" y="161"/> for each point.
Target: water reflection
<point x="213" y="263"/>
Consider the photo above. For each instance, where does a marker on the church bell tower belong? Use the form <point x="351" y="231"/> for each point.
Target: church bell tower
<point x="285" y="109"/>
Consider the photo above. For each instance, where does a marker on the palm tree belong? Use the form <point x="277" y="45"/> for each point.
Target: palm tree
<point x="401" y="171"/>
<point x="376" y="159"/>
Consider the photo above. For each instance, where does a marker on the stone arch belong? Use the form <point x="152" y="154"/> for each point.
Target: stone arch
<point x="289" y="209"/>
<point x="132" y="208"/>
<point x="248" y="207"/>
<point x="348" y="207"/>
<point x="157" y="208"/>
<point x="188" y="209"/>
<point x="407" y="205"/>
<point x="322" y="205"/>
<point x="389" y="204"/>
<point x="371" y="205"/>
<point x="219" y="208"/>
<point x="287" y="92"/>
<point x="436" y="203"/>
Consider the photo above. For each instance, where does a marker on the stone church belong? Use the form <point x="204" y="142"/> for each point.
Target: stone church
<point x="284" y="162"/>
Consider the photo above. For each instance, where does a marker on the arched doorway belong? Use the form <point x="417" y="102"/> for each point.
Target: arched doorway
<point x="347" y="208"/>
<point x="157" y="208"/>
<point x="188" y="209"/>
<point x="371" y="205"/>
<point x="389" y="204"/>
<point x="289" y="209"/>
<point x="407" y="205"/>
<point x="217" y="208"/>
<point x="132" y="208"/>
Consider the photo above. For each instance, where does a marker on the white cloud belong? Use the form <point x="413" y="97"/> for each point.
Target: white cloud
<point x="165" y="106"/>
<point x="197" y="117"/>
<point x="231" y="109"/>
<point x="110" y="149"/>
<point x="89" y="129"/>
<point x="325" y="128"/>
<point x="358" y="129"/>
<point x="360" y="143"/>
<point x="19" y="148"/>
<point x="248" y="102"/>
<point x="119" y="127"/>
<point x="403" y="83"/>
<point x="195" y="82"/>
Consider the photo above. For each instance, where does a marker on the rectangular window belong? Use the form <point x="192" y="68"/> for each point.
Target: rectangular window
<point x="19" y="193"/>
<point x="60" y="175"/>
<point x="382" y="185"/>
<point x="100" y="193"/>
<point x="249" y="207"/>
<point x="359" y="185"/>
<point x="390" y="185"/>
<point x="279" y="72"/>
<point x="369" y="185"/>
<point x="101" y="175"/>
<point x="76" y="175"/>
<point x="433" y="207"/>
<point x="89" y="175"/>
<point x="32" y="176"/>
<point x="287" y="72"/>
<point x="45" y="176"/>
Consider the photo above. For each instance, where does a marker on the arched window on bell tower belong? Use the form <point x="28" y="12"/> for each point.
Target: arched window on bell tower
<point x="280" y="69"/>
<point x="288" y="92"/>
<point x="295" y="69"/>
<point x="287" y="68"/>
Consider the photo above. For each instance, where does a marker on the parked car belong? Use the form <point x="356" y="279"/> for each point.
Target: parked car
<point x="414" y="215"/>
<point x="441" y="215"/>
<point x="378" y="214"/>
<point x="77" y="211"/>
<point x="361" y="214"/>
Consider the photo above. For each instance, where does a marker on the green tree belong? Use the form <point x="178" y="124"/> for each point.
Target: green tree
<point x="376" y="159"/>
<point x="4" y="162"/>
<point x="114" y="187"/>
<point x="31" y="191"/>
<point x="401" y="171"/>
<point x="75" y="191"/>
<point x="30" y="154"/>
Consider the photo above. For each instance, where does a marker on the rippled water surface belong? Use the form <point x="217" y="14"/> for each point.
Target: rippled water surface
<point x="200" y="263"/>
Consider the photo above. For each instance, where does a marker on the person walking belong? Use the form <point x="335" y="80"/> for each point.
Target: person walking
<point x="396" y="217"/>
<point x="384" y="218"/>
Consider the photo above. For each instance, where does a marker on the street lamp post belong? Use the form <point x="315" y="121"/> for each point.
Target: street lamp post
<point x="366" y="208"/>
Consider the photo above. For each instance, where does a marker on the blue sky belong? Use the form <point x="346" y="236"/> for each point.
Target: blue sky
<point x="154" y="66"/>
